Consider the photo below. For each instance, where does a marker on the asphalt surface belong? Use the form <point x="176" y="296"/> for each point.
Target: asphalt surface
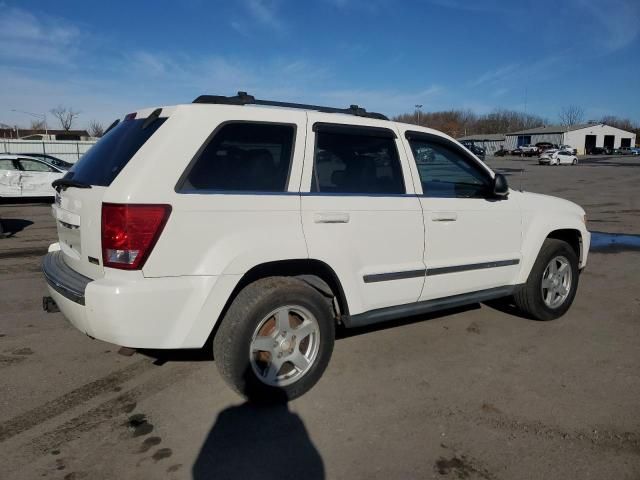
<point x="477" y="393"/>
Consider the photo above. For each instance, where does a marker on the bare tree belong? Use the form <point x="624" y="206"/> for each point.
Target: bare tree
<point x="38" y="125"/>
<point x="96" y="129"/>
<point x="65" y="116"/>
<point x="465" y="122"/>
<point x="571" y="115"/>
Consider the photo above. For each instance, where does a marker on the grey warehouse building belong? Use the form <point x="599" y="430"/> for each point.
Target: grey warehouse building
<point x="582" y="137"/>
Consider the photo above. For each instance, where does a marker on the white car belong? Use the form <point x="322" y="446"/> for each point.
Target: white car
<point x="557" y="157"/>
<point x="263" y="225"/>
<point x="22" y="176"/>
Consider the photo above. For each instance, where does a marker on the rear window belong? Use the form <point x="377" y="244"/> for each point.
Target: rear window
<point x="104" y="161"/>
<point x="243" y="157"/>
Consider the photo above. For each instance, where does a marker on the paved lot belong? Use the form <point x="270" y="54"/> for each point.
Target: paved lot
<point x="475" y="393"/>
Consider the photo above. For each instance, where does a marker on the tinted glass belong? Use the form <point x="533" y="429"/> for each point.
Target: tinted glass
<point x="7" y="165"/>
<point x="244" y="157"/>
<point x="104" y="161"/>
<point x="445" y="172"/>
<point x="34" y="166"/>
<point x="348" y="163"/>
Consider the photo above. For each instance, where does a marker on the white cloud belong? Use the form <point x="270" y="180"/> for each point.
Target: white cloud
<point x="36" y="38"/>
<point x="264" y="11"/>
<point x="617" y="22"/>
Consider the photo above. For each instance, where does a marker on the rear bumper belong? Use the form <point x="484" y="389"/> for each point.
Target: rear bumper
<point x="64" y="280"/>
<point x="127" y="309"/>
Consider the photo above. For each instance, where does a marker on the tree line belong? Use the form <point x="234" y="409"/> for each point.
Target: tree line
<point x="460" y="123"/>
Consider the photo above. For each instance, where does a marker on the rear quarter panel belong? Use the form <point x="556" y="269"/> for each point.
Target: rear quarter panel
<point x="207" y="233"/>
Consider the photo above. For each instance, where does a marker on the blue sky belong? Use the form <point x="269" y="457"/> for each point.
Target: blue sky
<point x="108" y="58"/>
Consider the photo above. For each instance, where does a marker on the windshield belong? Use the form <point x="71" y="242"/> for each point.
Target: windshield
<point x="104" y="161"/>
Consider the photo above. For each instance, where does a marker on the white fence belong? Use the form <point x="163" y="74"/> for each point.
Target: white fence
<point x="69" y="151"/>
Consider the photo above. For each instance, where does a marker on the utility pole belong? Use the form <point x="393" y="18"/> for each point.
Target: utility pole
<point x="43" y="116"/>
<point x="418" y="107"/>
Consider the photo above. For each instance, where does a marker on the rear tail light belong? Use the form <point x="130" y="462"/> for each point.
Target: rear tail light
<point x="129" y="233"/>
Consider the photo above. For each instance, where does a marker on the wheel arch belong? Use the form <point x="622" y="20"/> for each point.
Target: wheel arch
<point x="571" y="235"/>
<point x="316" y="273"/>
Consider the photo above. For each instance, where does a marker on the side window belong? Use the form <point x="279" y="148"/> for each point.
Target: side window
<point x="446" y="172"/>
<point x="353" y="163"/>
<point x="34" y="166"/>
<point x="244" y="157"/>
<point x="6" y="164"/>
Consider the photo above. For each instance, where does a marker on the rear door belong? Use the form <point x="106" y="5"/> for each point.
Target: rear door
<point x="78" y="210"/>
<point x="359" y="211"/>
<point x="9" y="178"/>
<point x="36" y="178"/>
<point x="472" y="239"/>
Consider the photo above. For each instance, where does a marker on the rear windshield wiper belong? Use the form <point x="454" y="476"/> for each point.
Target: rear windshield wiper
<point x="64" y="183"/>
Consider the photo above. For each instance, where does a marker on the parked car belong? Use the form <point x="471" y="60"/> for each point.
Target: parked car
<point x="627" y="151"/>
<point x="557" y="157"/>
<point x="502" y="152"/>
<point x="475" y="149"/>
<point x="599" y="151"/>
<point x="265" y="227"/>
<point x="542" y="146"/>
<point x="568" y="148"/>
<point x="635" y="150"/>
<point x="22" y="176"/>
<point x="529" y="150"/>
<point x="51" y="160"/>
<point x="517" y="152"/>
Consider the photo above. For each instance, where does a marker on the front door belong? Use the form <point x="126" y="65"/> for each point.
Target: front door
<point x="36" y="178"/>
<point x="360" y="214"/>
<point x="9" y="178"/>
<point x="472" y="239"/>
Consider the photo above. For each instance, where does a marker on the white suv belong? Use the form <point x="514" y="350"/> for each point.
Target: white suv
<point x="261" y="225"/>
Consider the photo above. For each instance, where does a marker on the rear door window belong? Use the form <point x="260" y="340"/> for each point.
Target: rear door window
<point x="355" y="163"/>
<point x="34" y="166"/>
<point x="104" y="161"/>
<point x="243" y="157"/>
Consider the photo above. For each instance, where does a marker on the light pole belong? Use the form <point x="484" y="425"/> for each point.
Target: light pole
<point x="43" y="116"/>
<point x="418" y="107"/>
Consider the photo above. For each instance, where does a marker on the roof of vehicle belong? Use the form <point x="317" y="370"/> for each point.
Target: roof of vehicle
<point x="243" y="98"/>
<point x="13" y="156"/>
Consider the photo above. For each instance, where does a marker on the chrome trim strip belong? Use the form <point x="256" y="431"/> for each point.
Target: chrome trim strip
<point x="472" y="266"/>
<point x="383" y="277"/>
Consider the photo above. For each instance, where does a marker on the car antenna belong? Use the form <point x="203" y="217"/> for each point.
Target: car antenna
<point x="521" y="175"/>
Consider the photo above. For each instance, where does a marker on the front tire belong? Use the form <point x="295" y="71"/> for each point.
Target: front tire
<point x="552" y="283"/>
<point x="276" y="339"/>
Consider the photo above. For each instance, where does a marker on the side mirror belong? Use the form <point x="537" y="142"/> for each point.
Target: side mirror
<point x="500" y="186"/>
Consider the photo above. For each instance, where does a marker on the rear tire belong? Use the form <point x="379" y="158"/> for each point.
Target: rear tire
<point x="276" y="339"/>
<point x="547" y="296"/>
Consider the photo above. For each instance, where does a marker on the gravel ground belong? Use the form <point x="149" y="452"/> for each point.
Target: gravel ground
<point x="477" y="393"/>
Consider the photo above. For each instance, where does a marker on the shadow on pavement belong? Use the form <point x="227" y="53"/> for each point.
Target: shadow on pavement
<point x="11" y="226"/>
<point x="262" y="442"/>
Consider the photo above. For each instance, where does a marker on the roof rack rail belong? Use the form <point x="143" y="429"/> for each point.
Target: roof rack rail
<point x="242" y="98"/>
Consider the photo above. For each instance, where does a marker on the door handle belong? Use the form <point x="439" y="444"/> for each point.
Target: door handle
<point x="444" y="217"/>
<point x="331" y="217"/>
